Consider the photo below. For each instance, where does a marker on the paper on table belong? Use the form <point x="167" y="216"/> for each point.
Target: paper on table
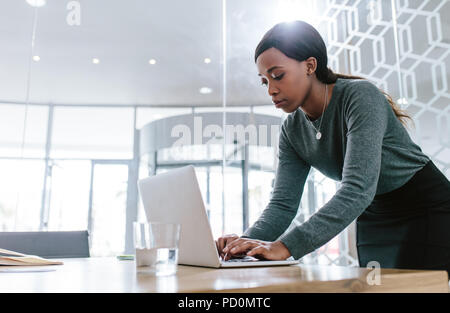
<point x="4" y="251"/>
<point x="23" y="259"/>
<point x="26" y="269"/>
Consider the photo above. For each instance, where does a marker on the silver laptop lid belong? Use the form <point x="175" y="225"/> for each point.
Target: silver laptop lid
<point x="175" y="197"/>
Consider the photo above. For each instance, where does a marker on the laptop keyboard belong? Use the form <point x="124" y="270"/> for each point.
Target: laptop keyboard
<point x="244" y="259"/>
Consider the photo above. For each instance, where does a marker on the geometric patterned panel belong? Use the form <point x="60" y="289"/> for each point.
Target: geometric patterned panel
<point x="424" y="42"/>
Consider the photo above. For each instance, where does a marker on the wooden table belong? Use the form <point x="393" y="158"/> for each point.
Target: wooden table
<point x="112" y="275"/>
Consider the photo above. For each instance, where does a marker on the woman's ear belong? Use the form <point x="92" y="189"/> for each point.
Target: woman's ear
<point x="311" y="65"/>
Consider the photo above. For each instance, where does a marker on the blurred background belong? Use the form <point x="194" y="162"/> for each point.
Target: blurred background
<point x="96" y="94"/>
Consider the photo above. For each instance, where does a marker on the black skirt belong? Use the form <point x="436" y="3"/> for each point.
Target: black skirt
<point x="408" y="228"/>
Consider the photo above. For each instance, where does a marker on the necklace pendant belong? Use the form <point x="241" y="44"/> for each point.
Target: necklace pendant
<point x="318" y="135"/>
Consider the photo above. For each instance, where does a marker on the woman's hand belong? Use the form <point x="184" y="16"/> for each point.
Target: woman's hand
<point x="223" y="241"/>
<point x="257" y="248"/>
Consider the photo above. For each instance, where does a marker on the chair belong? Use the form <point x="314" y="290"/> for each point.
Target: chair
<point x="51" y="244"/>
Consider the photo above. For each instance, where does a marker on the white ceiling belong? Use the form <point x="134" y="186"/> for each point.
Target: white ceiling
<point x="124" y="35"/>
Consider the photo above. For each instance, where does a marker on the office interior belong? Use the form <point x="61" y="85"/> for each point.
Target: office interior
<point x="98" y="94"/>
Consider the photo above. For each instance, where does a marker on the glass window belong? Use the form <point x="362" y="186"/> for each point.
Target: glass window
<point x="69" y="186"/>
<point x="233" y="217"/>
<point x="213" y="176"/>
<point x="23" y="130"/>
<point x="21" y="184"/>
<point x="147" y="115"/>
<point x="260" y="187"/>
<point x="93" y="133"/>
<point x="109" y="209"/>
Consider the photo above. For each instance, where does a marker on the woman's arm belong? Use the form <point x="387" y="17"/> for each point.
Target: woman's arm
<point x="366" y="116"/>
<point x="290" y="179"/>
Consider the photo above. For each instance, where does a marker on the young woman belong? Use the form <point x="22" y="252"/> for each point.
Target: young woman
<point x="352" y="132"/>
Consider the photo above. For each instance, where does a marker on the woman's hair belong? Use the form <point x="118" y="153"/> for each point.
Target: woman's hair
<point x="299" y="40"/>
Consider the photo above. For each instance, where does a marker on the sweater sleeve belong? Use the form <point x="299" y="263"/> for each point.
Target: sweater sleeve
<point x="366" y="116"/>
<point x="290" y="179"/>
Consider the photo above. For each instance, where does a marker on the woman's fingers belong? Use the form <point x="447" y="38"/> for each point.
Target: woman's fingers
<point x="257" y="248"/>
<point x="270" y="251"/>
<point x="219" y="250"/>
<point x="231" y="244"/>
<point x="220" y="243"/>
<point x="224" y="241"/>
<point x="240" y="246"/>
<point x="227" y="240"/>
<point x="258" y="251"/>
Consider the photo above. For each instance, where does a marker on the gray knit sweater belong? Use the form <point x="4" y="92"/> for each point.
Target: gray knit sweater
<point x="363" y="145"/>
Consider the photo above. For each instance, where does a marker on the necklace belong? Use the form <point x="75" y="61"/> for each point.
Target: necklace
<point x="319" y="134"/>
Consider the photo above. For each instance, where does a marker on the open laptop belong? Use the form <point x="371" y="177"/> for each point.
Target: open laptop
<point x="175" y="197"/>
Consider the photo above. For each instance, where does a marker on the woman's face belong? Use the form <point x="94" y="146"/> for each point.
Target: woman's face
<point x="286" y="79"/>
